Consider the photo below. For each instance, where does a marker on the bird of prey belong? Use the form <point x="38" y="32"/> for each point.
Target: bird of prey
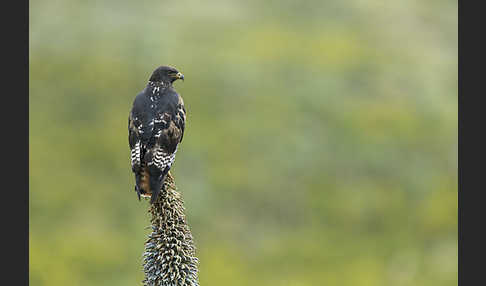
<point x="155" y="129"/>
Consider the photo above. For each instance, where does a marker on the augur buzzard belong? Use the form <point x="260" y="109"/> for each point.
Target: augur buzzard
<point x="155" y="129"/>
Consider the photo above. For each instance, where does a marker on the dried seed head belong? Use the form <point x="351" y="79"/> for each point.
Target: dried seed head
<point x="169" y="257"/>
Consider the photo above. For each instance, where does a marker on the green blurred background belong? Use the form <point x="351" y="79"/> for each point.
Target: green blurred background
<point x="320" y="146"/>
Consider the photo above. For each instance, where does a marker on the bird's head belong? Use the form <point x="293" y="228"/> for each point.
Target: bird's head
<point x="165" y="74"/>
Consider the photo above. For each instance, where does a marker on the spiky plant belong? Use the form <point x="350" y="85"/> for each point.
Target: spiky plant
<point x="169" y="258"/>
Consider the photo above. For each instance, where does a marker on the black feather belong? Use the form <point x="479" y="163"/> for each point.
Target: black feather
<point x="156" y="125"/>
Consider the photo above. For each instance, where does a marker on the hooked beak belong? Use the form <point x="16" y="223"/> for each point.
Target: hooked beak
<point x="180" y="76"/>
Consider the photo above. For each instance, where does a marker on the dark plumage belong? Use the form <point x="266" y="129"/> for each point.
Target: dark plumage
<point x="155" y="129"/>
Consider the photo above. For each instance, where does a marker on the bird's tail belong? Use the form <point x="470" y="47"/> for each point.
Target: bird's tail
<point x="158" y="184"/>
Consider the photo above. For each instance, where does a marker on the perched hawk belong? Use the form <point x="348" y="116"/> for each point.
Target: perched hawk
<point x="155" y="129"/>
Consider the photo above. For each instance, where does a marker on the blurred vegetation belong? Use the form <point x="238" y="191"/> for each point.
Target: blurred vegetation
<point x="320" y="148"/>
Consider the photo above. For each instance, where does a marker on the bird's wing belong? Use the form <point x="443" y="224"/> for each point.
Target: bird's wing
<point x="181" y="117"/>
<point x="140" y="129"/>
<point x="134" y="143"/>
<point x="168" y="131"/>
